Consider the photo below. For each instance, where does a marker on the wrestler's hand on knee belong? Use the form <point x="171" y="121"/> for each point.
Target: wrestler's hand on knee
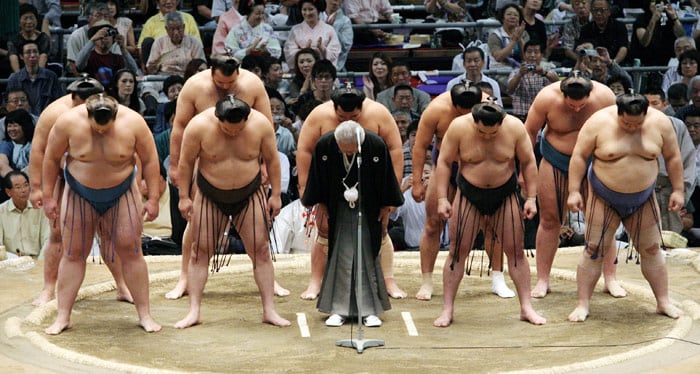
<point x="150" y="209"/>
<point x="575" y="201"/>
<point x="444" y="208"/>
<point x="185" y="206"/>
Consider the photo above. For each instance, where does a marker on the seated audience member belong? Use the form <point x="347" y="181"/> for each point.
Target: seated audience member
<point x="368" y="12"/>
<point x="171" y="52"/>
<point x="272" y="74"/>
<point x="49" y="12"/>
<point x="286" y="142"/>
<point x="252" y="35"/>
<point x="312" y="33"/>
<point x="693" y="104"/>
<point x="334" y="16"/>
<point x="24" y="229"/>
<point x="171" y="88"/>
<point x="201" y="11"/>
<point x="403" y="120"/>
<point x="124" y="25"/>
<point x="220" y="7"/>
<point x="289" y="230"/>
<point x="195" y="66"/>
<point x="16" y="99"/>
<point x="156" y="26"/>
<point x="96" y="58"/>
<point x="618" y="84"/>
<point x="254" y="64"/>
<point x="401" y="75"/>
<point x="473" y="61"/>
<point x="323" y="75"/>
<point x="677" y="96"/>
<point x="606" y="31"/>
<point x="304" y="112"/>
<point x="652" y="32"/>
<point x="28" y="31"/>
<point x="15" y="149"/>
<point x="41" y="85"/>
<point x="506" y="43"/>
<point x="403" y="101"/>
<point x="95" y="11"/>
<point x="378" y="78"/>
<point x="682" y="44"/>
<point x="688" y="63"/>
<point x="123" y="88"/>
<point x="227" y="21"/>
<point x="525" y="82"/>
<point x="410" y="131"/>
<point x="571" y="31"/>
<point x="301" y="82"/>
<point x="597" y="64"/>
<point x="535" y="28"/>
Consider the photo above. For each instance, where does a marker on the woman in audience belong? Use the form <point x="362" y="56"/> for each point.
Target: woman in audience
<point x="323" y="76"/>
<point x="172" y="86"/>
<point x="506" y="43"/>
<point x="123" y="88"/>
<point x="534" y="25"/>
<point x="28" y="21"/>
<point x="688" y="64"/>
<point x="15" y="149"/>
<point x="124" y="25"/>
<point x="305" y="60"/>
<point x="195" y="66"/>
<point x="252" y="35"/>
<point x="378" y="78"/>
<point x="273" y="73"/>
<point x="312" y="33"/>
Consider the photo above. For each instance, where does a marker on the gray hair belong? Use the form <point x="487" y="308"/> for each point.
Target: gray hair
<point x="174" y="17"/>
<point x="684" y="39"/>
<point x="346" y="133"/>
<point x="693" y="81"/>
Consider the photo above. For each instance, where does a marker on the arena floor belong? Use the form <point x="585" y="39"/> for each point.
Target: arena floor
<point x="620" y="336"/>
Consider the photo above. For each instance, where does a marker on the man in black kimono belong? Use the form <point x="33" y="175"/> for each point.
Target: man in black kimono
<point x="333" y="182"/>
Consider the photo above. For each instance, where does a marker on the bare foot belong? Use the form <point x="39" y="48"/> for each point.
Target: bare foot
<point x="44" y="297"/>
<point x="281" y="291"/>
<point x="149" y="325"/>
<point x="669" y="310"/>
<point x="541" y="290"/>
<point x="444" y="320"/>
<point x="532" y="317"/>
<point x="190" y="320"/>
<point x="274" y="319"/>
<point x="311" y="292"/>
<point x="425" y="292"/>
<point x="579" y="314"/>
<point x="58" y="327"/>
<point x="614" y="289"/>
<point x="393" y="289"/>
<point x="179" y="290"/>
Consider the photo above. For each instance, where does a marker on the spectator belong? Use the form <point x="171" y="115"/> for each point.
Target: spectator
<point x="534" y="26"/>
<point x="201" y="11"/>
<point x="50" y="11"/>
<point x="449" y="11"/>
<point x="692" y="122"/>
<point x="403" y="120"/>
<point x="171" y="52"/>
<point x="694" y="96"/>
<point x="28" y="20"/>
<point x="688" y="63"/>
<point x="368" y="11"/>
<point x="403" y="101"/>
<point x="572" y="30"/>
<point x="323" y="76"/>
<point x="525" y="82"/>
<point x="40" y="84"/>
<point x="286" y="142"/>
<point x="172" y="86"/>
<point x="677" y="97"/>
<point x="653" y="30"/>
<point x="253" y="63"/>
<point x="155" y="27"/>
<point x="253" y="35"/>
<point x="605" y="31"/>
<point x="195" y="66"/>
<point x="123" y="88"/>
<point x="124" y="25"/>
<point x="682" y="44"/>
<point x="272" y="77"/>
<point x="301" y="83"/>
<point x="506" y="42"/>
<point x="312" y="33"/>
<point x="16" y="99"/>
<point x="15" y="149"/>
<point x="334" y="16"/>
<point x="401" y="74"/>
<point x="412" y="215"/>
<point x="378" y="78"/>
<point x="96" y="58"/>
<point x="597" y="64"/>
<point x="473" y="61"/>
<point x="95" y="11"/>
<point x="219" y="7"/>
<point x="24" y="229"/>
<point x="227" y="21"/>
<point x="618" y="84"/>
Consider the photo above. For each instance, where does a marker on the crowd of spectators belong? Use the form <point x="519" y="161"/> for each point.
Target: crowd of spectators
<point x="143" y="51"/>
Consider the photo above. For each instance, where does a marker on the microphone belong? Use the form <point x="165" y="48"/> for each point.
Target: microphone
<point x="358" y="132"/>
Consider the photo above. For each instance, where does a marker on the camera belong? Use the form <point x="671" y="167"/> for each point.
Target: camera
<point x="659" y="6"/>
<point x="588" y="52"/>
<point x="112" y="32"/>
<point x="531" y="67"/>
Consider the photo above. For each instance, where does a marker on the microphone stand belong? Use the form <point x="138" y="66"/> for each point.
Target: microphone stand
<point x="359" y="343"/>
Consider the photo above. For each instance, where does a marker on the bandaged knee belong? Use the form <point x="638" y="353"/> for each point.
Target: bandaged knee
<point x="386" y="256"/>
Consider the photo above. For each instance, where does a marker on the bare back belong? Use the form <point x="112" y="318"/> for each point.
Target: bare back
<point x="43" y="127"/>
<point x="562" y="122"/>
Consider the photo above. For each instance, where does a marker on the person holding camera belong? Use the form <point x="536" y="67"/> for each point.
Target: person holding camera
<point x="96" y="57"/>
<point x="524" y="83"/>
<point x="596" y="64"/>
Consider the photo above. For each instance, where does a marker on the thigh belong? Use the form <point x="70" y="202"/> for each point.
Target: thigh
<point x="644" y="226"/>
<point x="464" y="225"/>
<point x="506" y="227"/>
<point x="549" y="193"/>
<point x="120" y="227"/>
<point x="208" y="225"/>
<point x="253" y="224"/>
<point x="78" y="224"/>
<point x="601" y="222"/>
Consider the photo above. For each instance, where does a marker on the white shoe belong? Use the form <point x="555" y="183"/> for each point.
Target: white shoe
<point x="372" y="321"/>
<point x="335" y="320"/>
